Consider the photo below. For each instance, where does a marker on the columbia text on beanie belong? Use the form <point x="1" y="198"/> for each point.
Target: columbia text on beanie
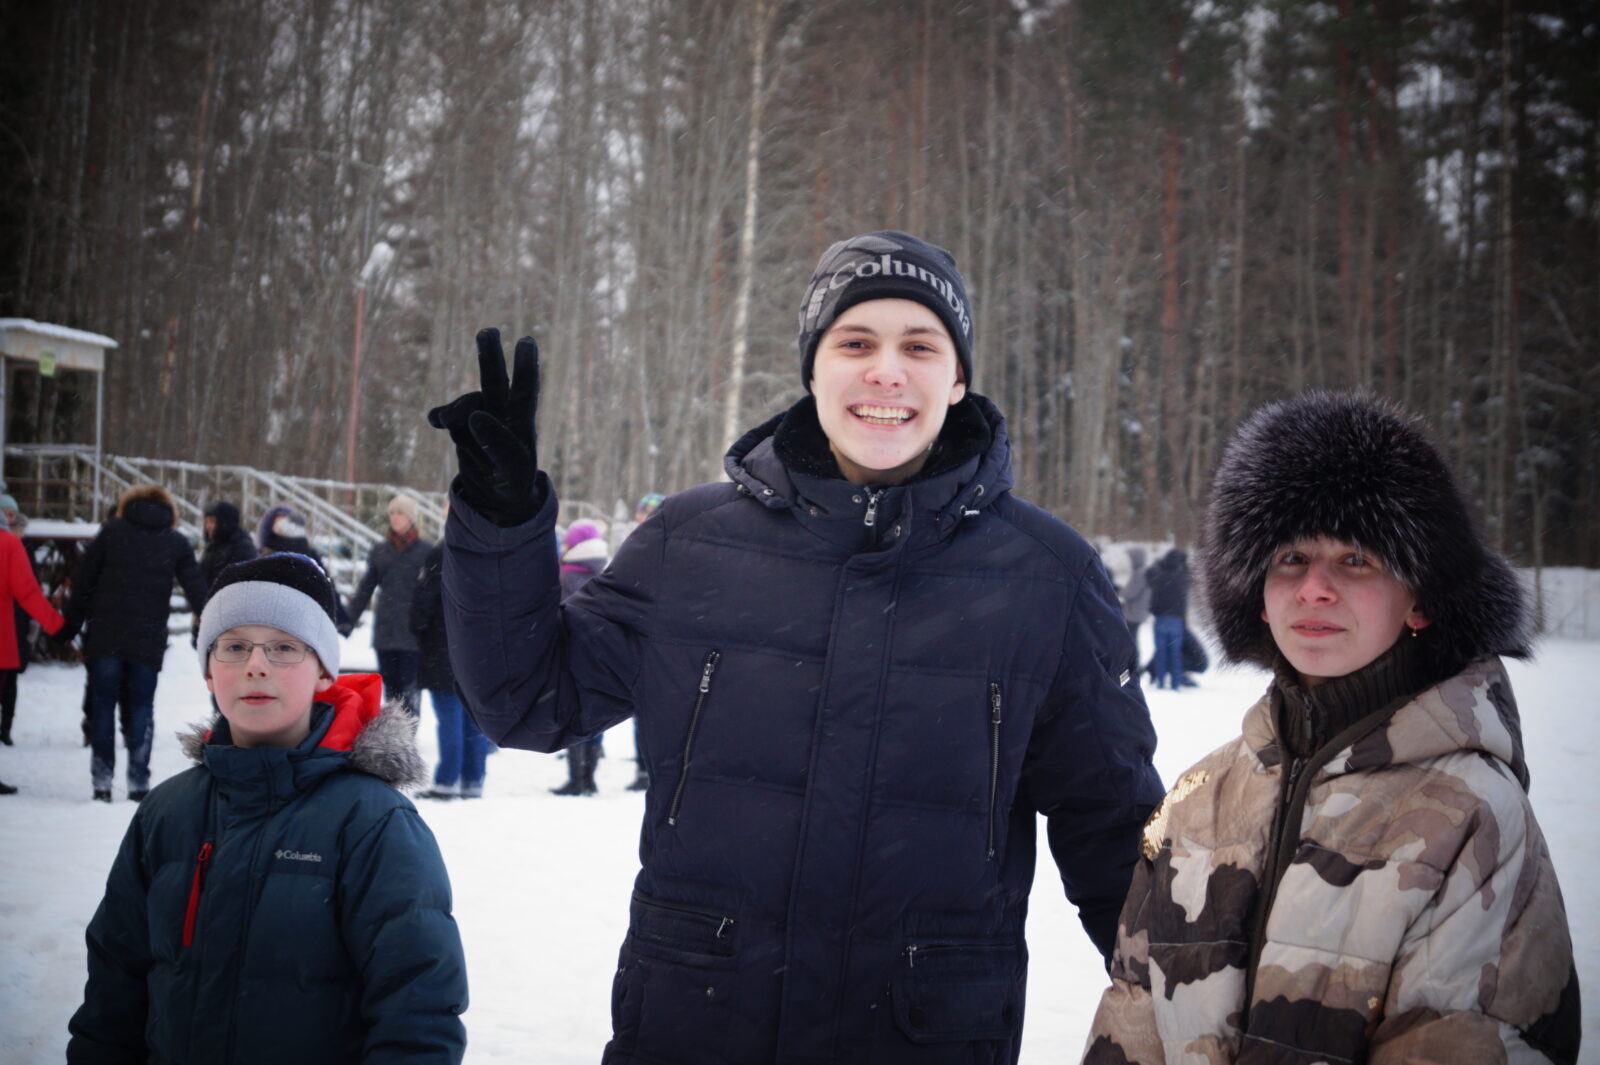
<point x="1355" y="468"/>
<point x="885" y="265"/>
<point x="284" y="590"/>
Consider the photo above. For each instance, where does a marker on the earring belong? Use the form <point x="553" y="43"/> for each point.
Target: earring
<point x="1413" y="634"/>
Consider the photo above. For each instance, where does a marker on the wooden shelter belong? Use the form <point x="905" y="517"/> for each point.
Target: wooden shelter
<point x="46" y="348"/>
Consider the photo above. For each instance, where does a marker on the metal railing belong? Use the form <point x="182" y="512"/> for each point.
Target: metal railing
<point x="59" y="481"/>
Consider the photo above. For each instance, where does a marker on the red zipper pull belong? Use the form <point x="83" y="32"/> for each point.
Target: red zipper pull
<point x="194" y="892"/>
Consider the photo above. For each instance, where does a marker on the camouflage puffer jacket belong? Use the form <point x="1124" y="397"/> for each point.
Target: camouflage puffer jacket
<point x="1418" y="919"/>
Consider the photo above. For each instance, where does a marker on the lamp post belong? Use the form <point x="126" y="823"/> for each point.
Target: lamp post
<point x="377" y="262"/>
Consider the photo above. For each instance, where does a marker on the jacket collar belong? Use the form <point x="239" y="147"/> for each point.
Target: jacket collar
<point x="970" y="470"/>
<point x="350" y="728"/>
<point x="1471" y="711"/>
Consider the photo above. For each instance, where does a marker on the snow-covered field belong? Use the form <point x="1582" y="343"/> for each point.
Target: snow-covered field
<point x="542" y="883"/>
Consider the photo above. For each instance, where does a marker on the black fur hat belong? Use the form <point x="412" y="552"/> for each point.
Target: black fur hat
<point x="1355" y="468"/>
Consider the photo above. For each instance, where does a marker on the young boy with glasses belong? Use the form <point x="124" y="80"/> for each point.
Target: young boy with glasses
<point x="281" y="901"/>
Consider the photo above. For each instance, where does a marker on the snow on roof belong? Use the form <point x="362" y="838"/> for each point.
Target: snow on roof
<point x="60" y="332"/>
<point x="52" y="529"/>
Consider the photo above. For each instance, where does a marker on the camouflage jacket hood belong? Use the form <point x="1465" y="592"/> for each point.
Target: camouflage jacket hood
<point x="1419" y="916"/>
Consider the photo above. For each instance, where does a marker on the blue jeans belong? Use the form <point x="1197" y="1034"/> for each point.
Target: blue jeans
<point x="399" y="672"/>
<point x="109" y="680"/>
<point x="462" y="748"/>
<point x="1169" y="650"/>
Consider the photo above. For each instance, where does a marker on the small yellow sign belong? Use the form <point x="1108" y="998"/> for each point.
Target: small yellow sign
<point x="47" y="363"/>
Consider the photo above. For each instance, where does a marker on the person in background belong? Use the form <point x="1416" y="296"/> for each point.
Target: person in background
<point x="281" y="900"/>
<point x="1358" y="876"/>
<point x="392" y="568"/>
<point x="226" y="541"/>
<point x="282" y="528"/>
<point x="1169" y="602"/>
<point x="20" y="598"/>
<point x="463" y="749"/>
<point x="583" y="557"/>
<point x="11" y="516"/>
<point x="122" y="590"/>
<point x="1135" y="593"/>
<point x="225" y="544"/>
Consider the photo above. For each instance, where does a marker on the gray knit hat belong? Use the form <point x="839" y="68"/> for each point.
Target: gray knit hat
<point x="284" y="590"/>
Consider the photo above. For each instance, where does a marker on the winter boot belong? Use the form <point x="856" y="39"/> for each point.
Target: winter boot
<point x="641" y="777"/>
<point x="7" y="789"/>
<point x="591" y="761"/>
<point x="576" y="757"/>
<point x="102" y="794"/>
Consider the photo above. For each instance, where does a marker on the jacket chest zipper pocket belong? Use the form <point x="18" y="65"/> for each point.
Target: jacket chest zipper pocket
<point x="994" y="758"/>
<point x="708" y="668"/>
<point x="193" y="909"/>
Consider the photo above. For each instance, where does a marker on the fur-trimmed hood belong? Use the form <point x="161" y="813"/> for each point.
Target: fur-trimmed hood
<point x="380" y="738"/>
<point x="1358" y="469"/>
<point x="149" y="505"/>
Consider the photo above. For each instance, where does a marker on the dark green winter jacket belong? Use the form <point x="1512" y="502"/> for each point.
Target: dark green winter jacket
<point x="276" y="905"/>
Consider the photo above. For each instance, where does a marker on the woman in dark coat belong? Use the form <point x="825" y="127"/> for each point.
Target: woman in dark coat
<point x="123" y="591"/>
<point x="392" y="568"/>
<point x="463" y="749"/>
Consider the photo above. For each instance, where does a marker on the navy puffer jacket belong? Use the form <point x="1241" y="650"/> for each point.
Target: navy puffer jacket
<point x="318" y="930"/>
<point x="854" y="704"/>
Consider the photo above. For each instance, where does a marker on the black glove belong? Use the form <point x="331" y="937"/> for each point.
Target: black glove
<point x="66" y="633"/>
<point x="344" y="628"/>
<point x="493" y="431"/>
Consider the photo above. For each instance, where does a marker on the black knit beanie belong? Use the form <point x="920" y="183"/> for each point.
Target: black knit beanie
<point x="1354" y="468"/>
<point x="885" y="265"/>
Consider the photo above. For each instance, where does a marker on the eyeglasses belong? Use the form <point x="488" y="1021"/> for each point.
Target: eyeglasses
<point x="278" y="652"/>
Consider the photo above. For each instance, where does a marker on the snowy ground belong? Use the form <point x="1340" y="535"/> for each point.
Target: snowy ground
<point x="542" y="883"/>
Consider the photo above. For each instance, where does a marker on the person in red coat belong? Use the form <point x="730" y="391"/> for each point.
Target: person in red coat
<point x="18" y="586"/>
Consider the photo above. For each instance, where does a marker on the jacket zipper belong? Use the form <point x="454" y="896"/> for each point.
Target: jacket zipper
<point x="1272" y="870"/>
<point x="193" y="909"/>
<point x="872" y="506"/>
<point x="994" y="757"/>
<point x="925" y="949"/>
<point x="710" y="667"/>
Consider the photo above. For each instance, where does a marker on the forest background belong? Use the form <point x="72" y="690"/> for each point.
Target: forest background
<point x="1167" y="211"/>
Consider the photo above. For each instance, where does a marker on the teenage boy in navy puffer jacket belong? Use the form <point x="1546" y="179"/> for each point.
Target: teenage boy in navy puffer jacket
<point x="281" y="901"/>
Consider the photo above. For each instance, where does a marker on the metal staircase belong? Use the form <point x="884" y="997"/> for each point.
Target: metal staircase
<point x="68" y="483"/>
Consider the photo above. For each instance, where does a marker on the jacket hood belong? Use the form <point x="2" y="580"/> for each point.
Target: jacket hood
<point x="282" y="528"/>
<point x="149" y="505"/>
<point x="147" y="513"/>
<point x="1473" y="711"/>
<point x="349" y="722"/>
<point x="946" y="497"/>
<point x="585" y="552"/>
<point x="227" y="516"/>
